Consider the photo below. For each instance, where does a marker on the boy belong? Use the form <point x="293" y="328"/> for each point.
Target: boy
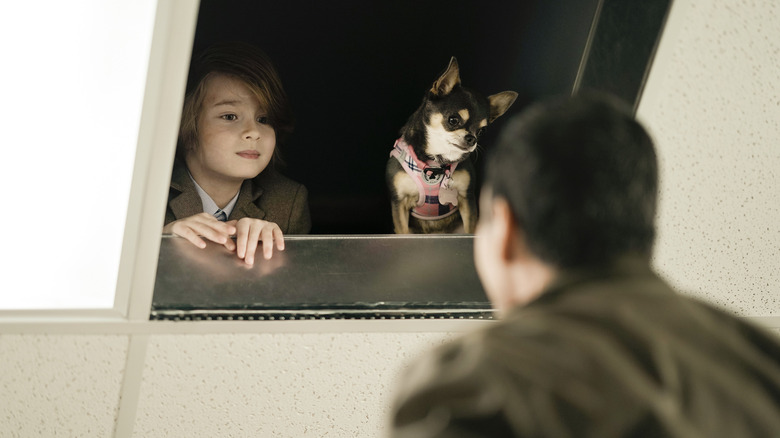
<point x="221" y="183"/>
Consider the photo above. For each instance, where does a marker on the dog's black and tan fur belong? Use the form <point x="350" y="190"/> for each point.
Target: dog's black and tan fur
<point x="445" y="129"/>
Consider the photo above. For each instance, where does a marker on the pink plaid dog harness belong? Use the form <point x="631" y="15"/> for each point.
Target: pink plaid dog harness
<point x="438" y="199"/>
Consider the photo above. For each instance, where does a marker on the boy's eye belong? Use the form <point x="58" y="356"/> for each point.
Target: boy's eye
<point x="454" y="120"/>
<point x="263" y="120"/>
<point x="229" y="117"/>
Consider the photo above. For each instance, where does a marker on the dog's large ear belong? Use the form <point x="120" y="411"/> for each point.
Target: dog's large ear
<point x="499" y="103"/>
<point x="448" y="80"/>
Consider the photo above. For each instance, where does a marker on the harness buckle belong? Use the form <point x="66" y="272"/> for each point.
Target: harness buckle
<point x="433" y="172"/>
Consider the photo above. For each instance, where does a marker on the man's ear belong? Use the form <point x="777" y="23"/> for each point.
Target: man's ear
<point x="505" y="228"/>
<point x="509" y="235"/>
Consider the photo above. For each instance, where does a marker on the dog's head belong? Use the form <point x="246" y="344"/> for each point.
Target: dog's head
<point x="455" y="116"/>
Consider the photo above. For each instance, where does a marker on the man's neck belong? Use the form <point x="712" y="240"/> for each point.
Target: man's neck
<point x="530" y="279"/>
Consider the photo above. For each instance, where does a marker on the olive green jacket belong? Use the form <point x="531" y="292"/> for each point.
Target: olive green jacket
<point x="609" y="353"/>
<point x="270" y="196"/>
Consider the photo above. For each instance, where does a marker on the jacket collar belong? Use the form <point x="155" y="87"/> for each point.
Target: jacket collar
<point x="574" y="281"/>
<point x="246" y="206"/>
<point x="185" y="201"/>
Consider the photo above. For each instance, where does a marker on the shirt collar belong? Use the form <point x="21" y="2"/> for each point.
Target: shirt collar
<point x="209" y="206"/>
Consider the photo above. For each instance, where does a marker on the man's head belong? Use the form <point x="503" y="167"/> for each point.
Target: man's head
<point x="575" y="180"/>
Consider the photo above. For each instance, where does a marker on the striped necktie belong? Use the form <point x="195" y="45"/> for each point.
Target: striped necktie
<point x="220" y="215"/>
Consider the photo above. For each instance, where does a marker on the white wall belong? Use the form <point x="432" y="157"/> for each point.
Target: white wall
<point x="711" y="104"/>
<point x="272" y="385"/>
<point x="60" y="385"/>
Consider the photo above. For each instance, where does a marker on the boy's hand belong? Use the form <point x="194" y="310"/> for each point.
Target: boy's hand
<point x="250" y="231"/>
<point x="205" y="225"/>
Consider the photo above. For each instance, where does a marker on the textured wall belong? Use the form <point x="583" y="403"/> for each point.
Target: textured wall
<point x="272" y="385"/>
<point x="713" y="105"/>
<point x="64" y="386"/>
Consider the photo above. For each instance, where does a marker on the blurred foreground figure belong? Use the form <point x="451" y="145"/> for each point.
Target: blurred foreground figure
<point x="590" y="341"/>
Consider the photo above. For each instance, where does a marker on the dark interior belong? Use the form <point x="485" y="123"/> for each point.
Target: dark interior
<point x="356" y="70"/>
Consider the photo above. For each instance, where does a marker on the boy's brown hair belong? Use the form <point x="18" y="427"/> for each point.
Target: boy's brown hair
<point x="248" y="64"/>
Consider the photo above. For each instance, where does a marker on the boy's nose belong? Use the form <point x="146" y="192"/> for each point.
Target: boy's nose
<point x="251" y="132"/>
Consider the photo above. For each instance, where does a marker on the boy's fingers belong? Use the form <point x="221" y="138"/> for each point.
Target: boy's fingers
<point x="193" y="237"/>
<point x="279" y="238"/>
<point x="223" y="228"/>
<point x="212" y="232"/>
<point x="251" y="242"/>
<point x="231" y="227"/>
<point x="251" y="232"/>
<point x="242" y="230"/>
<point x="207" y="220"/>
<point x="267" y="237"/>
<point x="203" y="225"/>
<point x="272" y="233"/>
<point x="230" y="245"/>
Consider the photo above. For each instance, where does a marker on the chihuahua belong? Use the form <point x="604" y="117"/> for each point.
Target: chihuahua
<point x="430" y="174"/>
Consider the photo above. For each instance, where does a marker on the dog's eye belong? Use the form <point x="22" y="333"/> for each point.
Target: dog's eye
<point x="480" y="132"/>
<point x="454" y="120"/>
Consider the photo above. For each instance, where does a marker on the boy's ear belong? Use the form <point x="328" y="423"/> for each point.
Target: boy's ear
<point x="448" y="80"/>
<point x="499" y="103"/>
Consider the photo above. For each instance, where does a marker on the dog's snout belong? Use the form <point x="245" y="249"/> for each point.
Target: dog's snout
<point x="471" y="140"/>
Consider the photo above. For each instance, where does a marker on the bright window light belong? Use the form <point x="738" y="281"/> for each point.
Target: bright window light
<point x="72" y="86"/>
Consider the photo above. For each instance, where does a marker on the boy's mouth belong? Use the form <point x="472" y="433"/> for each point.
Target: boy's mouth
<point x="252" y="155"/>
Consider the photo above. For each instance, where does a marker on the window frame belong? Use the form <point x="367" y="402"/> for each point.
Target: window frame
<point x="606" y="36"/>
<point x="172" y="38"/>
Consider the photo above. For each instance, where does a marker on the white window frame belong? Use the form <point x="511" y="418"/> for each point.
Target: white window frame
<point x="171" y="45"/>
<point x="173" y="35"/>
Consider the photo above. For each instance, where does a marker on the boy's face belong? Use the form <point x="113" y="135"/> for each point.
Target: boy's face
<point x="235" y="140"/>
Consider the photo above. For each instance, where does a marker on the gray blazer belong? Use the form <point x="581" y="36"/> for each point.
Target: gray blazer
<point x="270" y="196"/>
